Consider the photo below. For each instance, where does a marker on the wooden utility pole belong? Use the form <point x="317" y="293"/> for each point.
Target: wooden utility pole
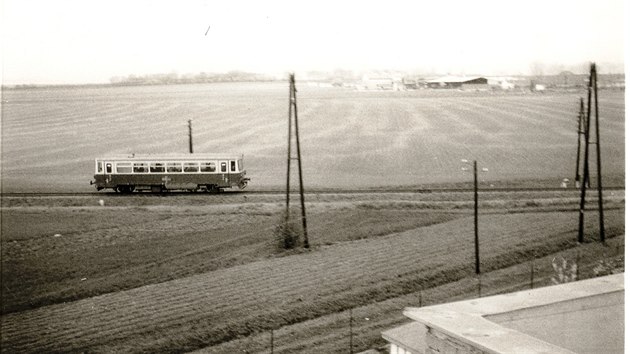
<point x="190" y="144"/>
<point x="581" y="125"/>
<point x="476" y="211"/>
<point x="293" y="118"/>
<point x="602" y="234"/>
<point x="585" y="164"/>
<point x="477" y="266"/>
<point x="592" y="96"/>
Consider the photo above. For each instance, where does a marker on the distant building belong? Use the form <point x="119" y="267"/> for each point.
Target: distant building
<point x="372" y="82"/>
<point x="379" y="83"/>
<point x="410" y="83"/>
<point x="463" y="82"/>
<point x="503" y="83"/>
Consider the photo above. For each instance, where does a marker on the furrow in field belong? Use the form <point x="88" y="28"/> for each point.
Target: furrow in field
<point x="503" y="156"/>
<point x="386" y="138"/>
<point x="518" y="119"/>
<point x="538" y="113"/>
<point x="552" y="106"/>
<point x="262" y="287"/>
<point x="611" y="115"/>
<point x="248" y="133"/>
<point x="444" y="121"/>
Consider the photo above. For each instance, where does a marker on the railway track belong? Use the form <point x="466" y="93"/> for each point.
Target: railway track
<point x="309" y="192"/>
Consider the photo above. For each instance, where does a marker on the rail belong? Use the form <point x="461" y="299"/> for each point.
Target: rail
<point x="313" y="191"/>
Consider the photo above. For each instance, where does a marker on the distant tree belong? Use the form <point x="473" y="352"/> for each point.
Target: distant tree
<point x="537" y="69"/>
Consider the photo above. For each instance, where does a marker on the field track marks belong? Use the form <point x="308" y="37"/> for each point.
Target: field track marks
<point x="214" y="304"/>
<point x="611" y="112"/>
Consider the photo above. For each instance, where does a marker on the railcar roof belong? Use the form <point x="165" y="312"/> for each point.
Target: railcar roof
<point x="156" y="157"/>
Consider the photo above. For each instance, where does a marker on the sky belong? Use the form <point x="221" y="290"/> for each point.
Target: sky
<point x="82" y="41"/>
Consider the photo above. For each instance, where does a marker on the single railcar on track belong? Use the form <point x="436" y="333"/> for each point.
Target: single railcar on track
<point x="161" y="173"/>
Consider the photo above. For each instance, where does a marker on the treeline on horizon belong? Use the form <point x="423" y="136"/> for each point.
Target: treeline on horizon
<point x="562" y="79"/>
<point x="200" y="78"/>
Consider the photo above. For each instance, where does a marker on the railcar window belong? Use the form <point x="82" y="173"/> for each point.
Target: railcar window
<point x="123" y="167"/>
<point x="233" y="166"/>
<point x="108" y="168"/>
<point x="223" y="166"/>
<point x="208" y="167"/>
<point x="157" y="167"/>
<point x="99" y="167"/>
<point x="174" y="167"/>
<point x="140" y="167"/>
<point x="191" y="167"/>
<point x="240" y="165"/>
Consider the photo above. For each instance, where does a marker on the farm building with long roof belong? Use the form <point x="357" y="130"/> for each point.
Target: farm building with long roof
<point x="458" y="82"/>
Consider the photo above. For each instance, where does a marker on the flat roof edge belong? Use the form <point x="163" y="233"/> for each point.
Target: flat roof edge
<point x="467" y="322"/>
<point x="407" y="336"/>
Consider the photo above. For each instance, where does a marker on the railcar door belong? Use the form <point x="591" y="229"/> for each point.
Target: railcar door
<point x="225" y="174"/>
<point x="233" y="171"/>
<point x="109" y="169"/>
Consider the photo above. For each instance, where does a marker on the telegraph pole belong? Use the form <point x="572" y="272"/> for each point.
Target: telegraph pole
<point x="190" y="144"/>
<point x="581" y="124"/>
<point x="585" y="165"/>
<point x="293" y="117"/>
<point x="602" y="234"/>
<point x="592" y="96"/>
<point x="288" y="199"/>
<point x="477" y="267"/>
<point x="476" y="220"/>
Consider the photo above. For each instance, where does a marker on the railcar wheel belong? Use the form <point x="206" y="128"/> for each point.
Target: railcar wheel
<point x="126" y="189"/>
<point x="212" y="188"/>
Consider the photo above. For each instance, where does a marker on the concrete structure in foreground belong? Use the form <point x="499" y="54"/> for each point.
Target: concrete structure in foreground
<point x="580" y="317"/>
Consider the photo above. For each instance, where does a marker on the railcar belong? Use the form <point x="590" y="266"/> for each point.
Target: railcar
<point x="161" y="173"/>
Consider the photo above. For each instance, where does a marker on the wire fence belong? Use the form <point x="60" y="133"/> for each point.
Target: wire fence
<point x="359" y="328"/>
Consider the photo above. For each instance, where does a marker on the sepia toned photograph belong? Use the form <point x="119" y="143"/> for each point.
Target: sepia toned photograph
<point x="401" y="177"/>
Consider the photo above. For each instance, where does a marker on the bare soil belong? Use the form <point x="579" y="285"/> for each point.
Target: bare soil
<point x="184" y="272"/>
<point x="348" y="139"/>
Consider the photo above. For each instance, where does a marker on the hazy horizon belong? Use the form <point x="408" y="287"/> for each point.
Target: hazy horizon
<point x="76" y="42"/>
<point x="318" y="75"/>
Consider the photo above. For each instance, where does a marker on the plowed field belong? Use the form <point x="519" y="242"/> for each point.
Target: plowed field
<point x="50" y="137"/>
<point x="151" y="274"/>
